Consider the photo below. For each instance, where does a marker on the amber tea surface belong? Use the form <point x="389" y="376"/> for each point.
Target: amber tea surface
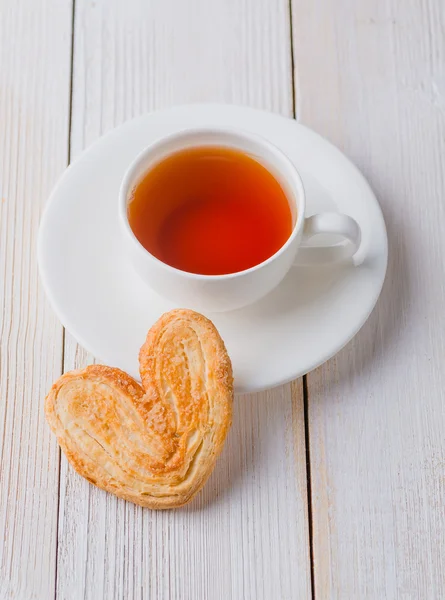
<point x="211" y="211"/>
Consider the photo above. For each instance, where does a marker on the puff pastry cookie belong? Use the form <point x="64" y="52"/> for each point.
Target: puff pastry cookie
<point x="154" y="444"/>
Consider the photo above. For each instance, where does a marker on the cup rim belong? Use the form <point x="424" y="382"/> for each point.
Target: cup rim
<point x="129" y="178"/>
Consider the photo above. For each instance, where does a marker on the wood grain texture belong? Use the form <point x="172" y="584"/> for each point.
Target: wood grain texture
<point x="246" y="534"/>
<point x="35" y="42"/>
<point x="371" y="78"/>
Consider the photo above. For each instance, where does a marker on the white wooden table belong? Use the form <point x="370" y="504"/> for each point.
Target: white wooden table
<point x="331" y="487"/>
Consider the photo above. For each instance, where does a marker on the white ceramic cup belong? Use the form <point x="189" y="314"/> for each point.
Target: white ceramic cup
<point x="218" y="293"/>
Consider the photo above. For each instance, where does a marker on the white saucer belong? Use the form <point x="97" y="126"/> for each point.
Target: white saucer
<point x="108" y="309"/>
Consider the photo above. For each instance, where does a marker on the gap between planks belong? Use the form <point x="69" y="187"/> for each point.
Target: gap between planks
<point x="62" y="366"/>
<point x="304" y="378"/>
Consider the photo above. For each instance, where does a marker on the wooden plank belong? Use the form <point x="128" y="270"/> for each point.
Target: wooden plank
<point x="35" y="47"/>
<point x="371" y="79"/>
<point x="246" y="535"/>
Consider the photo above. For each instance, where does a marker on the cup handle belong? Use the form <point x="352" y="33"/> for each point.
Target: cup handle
<point x="334" y="223"/>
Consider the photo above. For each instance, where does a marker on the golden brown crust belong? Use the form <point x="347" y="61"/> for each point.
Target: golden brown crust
<point x="154" y="444"/>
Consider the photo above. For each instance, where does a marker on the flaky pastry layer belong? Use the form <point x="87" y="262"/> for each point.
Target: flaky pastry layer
<point x="154" y="444"/>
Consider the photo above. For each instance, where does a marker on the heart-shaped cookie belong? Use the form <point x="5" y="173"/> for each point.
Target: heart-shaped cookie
<point x="154" y="445"/>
